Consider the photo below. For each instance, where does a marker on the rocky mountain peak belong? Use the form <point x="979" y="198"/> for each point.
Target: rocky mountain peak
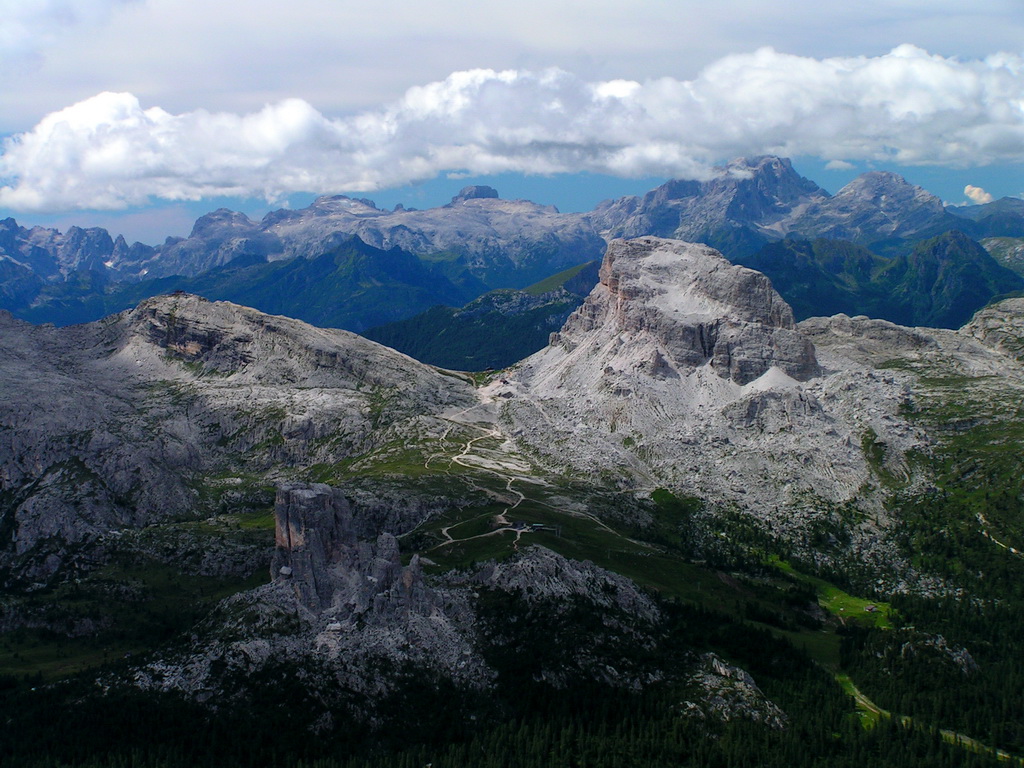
<point x="678" y="363"/>
<point x="763" y="188"/>
<point x="751" y="195"/>
<point x="874" y="206"/>
<point x="476" y="192"/>
<point x="765" y="167"/>
<point x="697" y="307"/>
<point x="221" y="222"/>
<point x="768" y="172"/>
<point x="887" y="190"/>
<point x="327" y="205"/>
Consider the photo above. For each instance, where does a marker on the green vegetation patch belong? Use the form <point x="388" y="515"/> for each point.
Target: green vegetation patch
<point x="844" y="606"/>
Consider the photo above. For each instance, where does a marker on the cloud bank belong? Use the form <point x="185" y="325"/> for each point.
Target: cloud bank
<point x="906" y="107"/>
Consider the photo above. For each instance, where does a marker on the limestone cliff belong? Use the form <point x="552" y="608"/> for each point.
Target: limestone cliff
<point x="342" y="605"/>
<point x="696" y="307"/>
<point x="125" y="422"/>
<point x="683" y="370"/>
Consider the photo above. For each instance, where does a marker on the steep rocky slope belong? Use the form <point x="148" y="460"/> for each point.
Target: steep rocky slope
<point x="685" y="371"/>
<point x="133" y="419"/>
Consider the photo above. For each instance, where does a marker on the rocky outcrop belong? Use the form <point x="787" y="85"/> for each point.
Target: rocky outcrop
<point x="725" y="693"/>
<point x="684" y="371"/>
<point x="475" y="192"/>
<point x="864" y="338"/>
<point x="126" y="421"/>
<point x="540" y="574"/>
<point x="1000" y="327"/>
<point x="697" y="307"/>
<point x="319" y="556"/>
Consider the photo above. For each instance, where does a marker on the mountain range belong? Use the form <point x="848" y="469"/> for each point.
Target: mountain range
<point x="306" y="263"/>
<point x="721" y="525"/>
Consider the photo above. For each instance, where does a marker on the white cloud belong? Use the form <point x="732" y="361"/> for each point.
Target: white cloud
<point x="346" y="57"/>
<point x="839" y="165"/>
<point x="906" y="107"/>
<point x="29" y="25"/>
<point x="977" y="195"/>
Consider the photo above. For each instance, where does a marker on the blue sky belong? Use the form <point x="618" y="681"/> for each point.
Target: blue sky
<point x="140" y="115"/>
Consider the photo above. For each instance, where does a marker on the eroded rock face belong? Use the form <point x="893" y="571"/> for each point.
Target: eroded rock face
<point x="540" y="574"/>
<point x="683" y="371"/>
<point x="1001" y="327"/>
<point x="329" y="568"/>
<point x="725" y="693"/>
<point x="116" y="423"/>
<point x="342" y="603"/>
<point x="697" y="306"/>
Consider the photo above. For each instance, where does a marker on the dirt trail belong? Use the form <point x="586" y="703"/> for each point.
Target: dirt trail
<point x="462" y="458"/>
<point x="994" y="540"/>
<point x="948" y="735"/>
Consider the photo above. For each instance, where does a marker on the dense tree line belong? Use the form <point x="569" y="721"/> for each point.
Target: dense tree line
<point x="523" y="722"/>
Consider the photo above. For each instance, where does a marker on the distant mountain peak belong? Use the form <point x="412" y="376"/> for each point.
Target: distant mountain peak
<point x="874" y="184"/>
<point x="327" y="204"/>
<point x="220" y="218"/>
<point x="740" y="208"/>
<point x="759" y="164"/>
<point x="476" y="192"/>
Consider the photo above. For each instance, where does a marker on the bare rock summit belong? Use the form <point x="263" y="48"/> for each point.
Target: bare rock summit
<point x="681" y="370"/>
<point x="697" y="307"/>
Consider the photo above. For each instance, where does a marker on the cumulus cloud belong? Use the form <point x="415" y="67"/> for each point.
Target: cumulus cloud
<point x="28" y="25"/>
<point x="906" y="107"/>
<point x="977" y="194"/>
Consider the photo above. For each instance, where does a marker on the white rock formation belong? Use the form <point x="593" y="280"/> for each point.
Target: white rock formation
<point x="683" y="370"/>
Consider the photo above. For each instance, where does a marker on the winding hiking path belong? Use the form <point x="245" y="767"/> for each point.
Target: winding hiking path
<point x="502" y="467"/>
<point x="985" y="532"/>
<point x="948" y="735"/>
